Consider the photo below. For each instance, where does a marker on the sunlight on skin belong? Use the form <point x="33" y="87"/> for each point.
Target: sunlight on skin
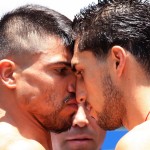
<point x="2" y="113"/>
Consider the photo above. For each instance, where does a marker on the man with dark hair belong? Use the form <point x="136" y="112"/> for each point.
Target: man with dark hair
<point x="37" y="83"/>
<point x="112" y="65"/>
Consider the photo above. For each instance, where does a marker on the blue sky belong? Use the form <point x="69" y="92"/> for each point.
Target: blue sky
<point x="66" y="7"/>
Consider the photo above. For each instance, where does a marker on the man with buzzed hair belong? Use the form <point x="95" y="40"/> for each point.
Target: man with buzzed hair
<point x="37" y="83"/>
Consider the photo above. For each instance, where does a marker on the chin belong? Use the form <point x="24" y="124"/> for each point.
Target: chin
<point x="81" y="145"/>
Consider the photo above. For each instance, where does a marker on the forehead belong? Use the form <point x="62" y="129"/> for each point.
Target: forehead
<point x="45" y="50"/>
<point x="54" y="48"/>
<point x="82" y="57"/>
<point x="52" y="43"/>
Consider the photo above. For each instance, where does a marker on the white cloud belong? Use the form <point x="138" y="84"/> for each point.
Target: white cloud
<point x="66" y="7"/>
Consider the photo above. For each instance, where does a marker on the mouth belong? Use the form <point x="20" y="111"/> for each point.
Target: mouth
<point x="80" y="138"/>
<point x="72" y="103"/>
<point x="70" y="97"/>
<point x="71" y="100"/>
<point x="80" y="141"/>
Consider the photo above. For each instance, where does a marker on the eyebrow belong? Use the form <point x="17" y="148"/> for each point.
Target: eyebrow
<point x="60" y="63"/>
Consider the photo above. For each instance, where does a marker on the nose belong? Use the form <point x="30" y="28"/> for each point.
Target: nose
<point x="80" y="118"/>
<point x="80" y="91"/>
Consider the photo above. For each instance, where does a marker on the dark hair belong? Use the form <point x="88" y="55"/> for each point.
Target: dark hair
<point x="115" y="22"/>
<point x="21" y="26"/>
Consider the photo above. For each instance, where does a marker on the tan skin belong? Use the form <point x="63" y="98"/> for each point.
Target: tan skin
<point x="32" y="96"/>
<point x="84" y="134"/>
<point x="119" y="94"/>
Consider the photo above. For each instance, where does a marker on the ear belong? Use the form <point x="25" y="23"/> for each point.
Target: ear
<point x="118" y="54"/>
<point x="7" y="68"/>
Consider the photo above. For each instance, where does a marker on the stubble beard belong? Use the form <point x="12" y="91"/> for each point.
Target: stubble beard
<point x="56" y="121"/>
<point x="111" y="116"/>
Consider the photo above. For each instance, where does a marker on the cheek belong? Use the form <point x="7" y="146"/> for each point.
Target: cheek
<point x="56" y="98"/>
<point x="44" y="103"/>
<point x="93" y="94"/>
<point x="45" y="95"/>
<point x="101" y="136"/>
<point x="39" y="94"/>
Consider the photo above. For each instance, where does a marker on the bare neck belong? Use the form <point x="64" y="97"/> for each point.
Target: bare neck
<point x="137" y="106"/>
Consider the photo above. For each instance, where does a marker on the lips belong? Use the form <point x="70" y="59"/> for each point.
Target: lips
<point x="79" y="138"/>
<point x="71" y="101"/>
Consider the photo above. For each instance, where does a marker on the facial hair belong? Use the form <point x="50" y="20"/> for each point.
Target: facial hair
<point x="110" y="117"/>
<point x="56" y="121"/>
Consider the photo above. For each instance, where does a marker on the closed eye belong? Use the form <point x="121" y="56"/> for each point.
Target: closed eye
<point x="63" y="70"/>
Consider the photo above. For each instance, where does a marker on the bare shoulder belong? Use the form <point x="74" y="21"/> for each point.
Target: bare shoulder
<point x="138" y="138"/>
<point x="10" y="139"/>
<point x="23" y="144"/>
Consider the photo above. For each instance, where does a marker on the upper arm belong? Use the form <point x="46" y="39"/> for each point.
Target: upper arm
<point x="136" y="139"/>
<point x="133" y="145"/>
<point x="122" y="145"/>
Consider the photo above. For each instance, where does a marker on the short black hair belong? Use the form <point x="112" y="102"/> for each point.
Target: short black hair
<point x="19" y="26"/>
<point x="115" y="22"/>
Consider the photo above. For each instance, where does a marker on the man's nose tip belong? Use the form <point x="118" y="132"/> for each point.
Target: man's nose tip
<point x="80" y="118"/>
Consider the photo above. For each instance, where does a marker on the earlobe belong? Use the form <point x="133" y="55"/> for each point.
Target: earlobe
<point x="7" y="68"/>
<point x="119" y="56"/>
